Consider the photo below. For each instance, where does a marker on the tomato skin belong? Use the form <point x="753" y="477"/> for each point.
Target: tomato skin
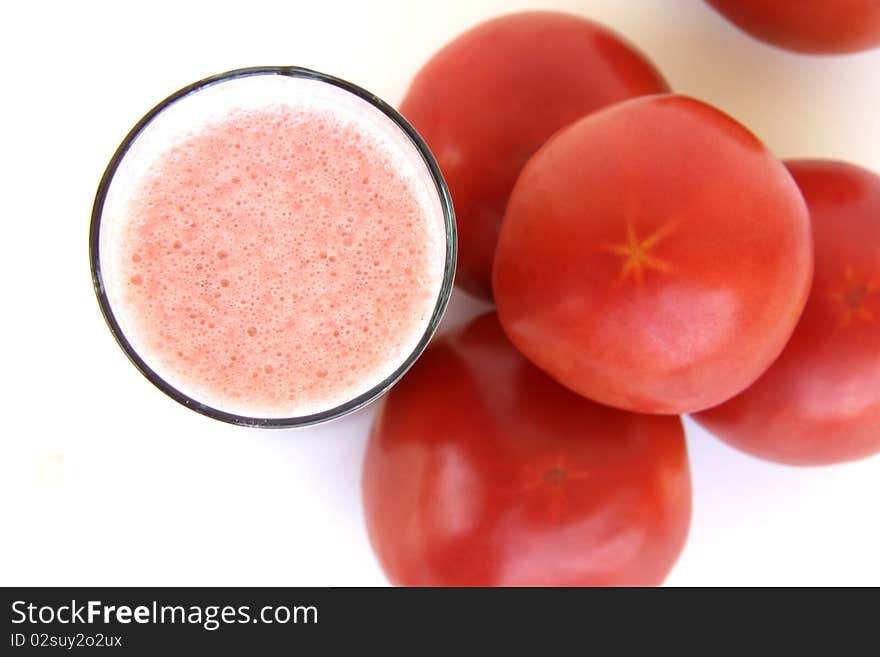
<point x="808" y="26"/>
<point x="819" y="403"/>
<point x="489" y="99"/>
<point x="482" y="471"/>
<point x="654" y="257"/>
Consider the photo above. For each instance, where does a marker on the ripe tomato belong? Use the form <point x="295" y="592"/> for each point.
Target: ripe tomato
<point x="654" y="256"/>
<point x="481" y="470"/>
<point x="811" y="26"/>
<point x="820" y="401"/>
<point x="488" y="100"/>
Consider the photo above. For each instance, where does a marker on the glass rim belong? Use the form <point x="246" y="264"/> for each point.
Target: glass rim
<point x="271" y="422"/>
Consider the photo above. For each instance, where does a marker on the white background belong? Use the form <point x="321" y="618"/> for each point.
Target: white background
<point x="104" y="481"/>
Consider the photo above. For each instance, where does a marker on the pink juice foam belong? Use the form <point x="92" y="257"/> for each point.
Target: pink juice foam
<point x="279" y="260"/>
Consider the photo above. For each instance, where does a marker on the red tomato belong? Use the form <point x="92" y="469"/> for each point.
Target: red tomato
<point x="481" y="470"/>
<point x="820" y="401"/>
<point x="488" y="100"/>
<point x="811" y="26"/>
<point x="654" y="256"/>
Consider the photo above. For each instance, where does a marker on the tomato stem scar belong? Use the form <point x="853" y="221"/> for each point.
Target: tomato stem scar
<point x="636" y="253"/>
<point x="555" y="476"/>
<point x="851" y="298"/>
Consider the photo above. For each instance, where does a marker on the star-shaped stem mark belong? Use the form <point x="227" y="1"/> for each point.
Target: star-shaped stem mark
<point x="637" y="253"/>
<point x="850" y="299"/>
<point x="553" y="480"/>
